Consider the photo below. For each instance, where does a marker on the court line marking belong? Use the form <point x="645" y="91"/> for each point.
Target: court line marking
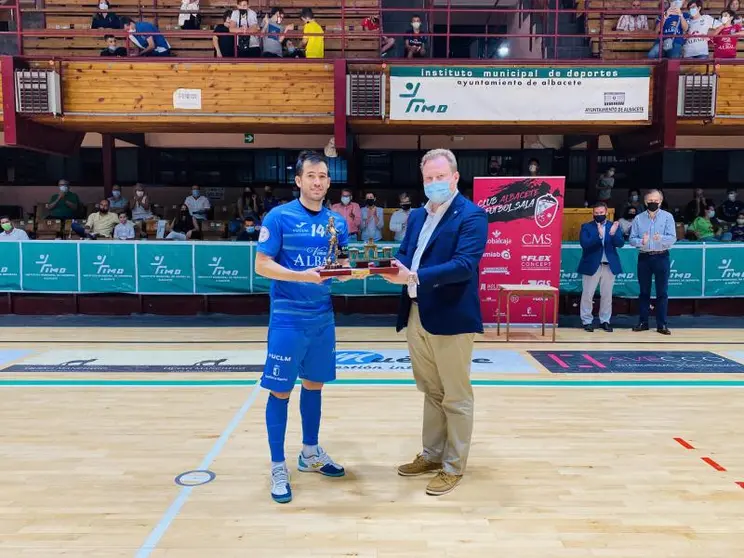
<point x="175" y="508"/>
<point x="684" y="443"/>
<point x="376" y="382"/>
<point x="713" y="464"/>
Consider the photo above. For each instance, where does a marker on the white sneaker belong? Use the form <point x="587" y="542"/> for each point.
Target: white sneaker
<point x="321" y="463"/>
<point x="281" y="491"/>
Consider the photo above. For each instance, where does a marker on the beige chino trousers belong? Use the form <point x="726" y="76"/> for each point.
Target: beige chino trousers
<point x="441" y="368"/>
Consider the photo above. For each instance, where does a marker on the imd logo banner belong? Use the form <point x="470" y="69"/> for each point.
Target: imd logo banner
<point x="107" y="267"/>
<point x="724" y="270"/>
<point x="50" y="266"/>
<point x="223" y="268"/>
<point x="10" y="266"/>
<point x="165" y="268"/>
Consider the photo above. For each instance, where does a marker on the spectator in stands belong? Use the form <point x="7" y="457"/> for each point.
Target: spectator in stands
<point x="631" y="23"/>
<point x="706" y="226"/>
<point x="313" y="41"/>
<point x="291" y="51"/>
<point x="249" y="205"/>
<point x="146" y="37"/>
<point x="249" y="232"/>
<point x="198" y="205"/>
<point x="65" y="204"/>
<point x="124" y="230"/>
<point x="117" y="202"/>
<point x="141" y="209"/>
<point x="626" y="221"/>
<point x="269" y="201"/>
<point x="399" y="219"/>
<point x="189" y="17"/>
<point x="373" y="23"/>
<point x="9" y="233"/>
<point x="534" y="167"/>
<point x="246" y="21"/>
<point x="737" y="231"/>
<point x="105" y="19"/>
<point x="351" y="212"/>
<point x="730" y="209"/>
<point x="605" y="183"/>
<point x="224" y="38"/>
<point x="494" y="166"/>
<point x="726" y="35"/>
<point x="99" y="224"/>
<point x="696" y="45"/>
<point x="111" y="47"/>
<point x="415" y="41"/>
<point x="697" y="205"/>
<point x="372" y="219"/>
<point x="183" y="226"/>
<point x="734" y="7"/>
<point x="272" y="26"/>
<point x="673" y="26"/>
<point x="634" y="201"/>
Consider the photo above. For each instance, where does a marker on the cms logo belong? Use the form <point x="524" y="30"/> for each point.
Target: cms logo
<point x="537" y="239"/>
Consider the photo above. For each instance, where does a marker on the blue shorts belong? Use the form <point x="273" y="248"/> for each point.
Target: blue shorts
<point x="306" y="352"/>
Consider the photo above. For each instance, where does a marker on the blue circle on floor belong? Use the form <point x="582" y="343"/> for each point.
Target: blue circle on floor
<point x="195" y="478"/>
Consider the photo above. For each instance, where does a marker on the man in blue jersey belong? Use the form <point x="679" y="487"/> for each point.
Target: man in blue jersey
<point x="292" y="248"/>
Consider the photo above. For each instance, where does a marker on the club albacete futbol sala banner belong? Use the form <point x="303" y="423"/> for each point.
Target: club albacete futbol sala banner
<point x="525" y="223"/>
<point x="509" y="94"/>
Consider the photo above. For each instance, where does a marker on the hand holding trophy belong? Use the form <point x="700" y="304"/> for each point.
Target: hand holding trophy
<point x="369" y="265"/>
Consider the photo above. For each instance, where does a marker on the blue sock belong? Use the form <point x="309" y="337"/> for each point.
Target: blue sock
<point x="276" y="426"/>
<point x="310" y="411"/>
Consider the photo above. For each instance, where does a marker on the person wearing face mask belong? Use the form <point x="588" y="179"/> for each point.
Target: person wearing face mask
<point x="725" y="35"/>
<point x="141" y="209"/>
<point x="634" y="21"/>
<point x="269" y="201"/>
<point x="706" y="227"/>
<point x="626" y="221"/>
<point x="399" y="219"/>
<point x="599" y="265"/>
<point x="673" y="26"/>
<point x="737" y="231"/>
<point x="313" y="41"/>
<point x="9" y="233"/>
<point x="105" y="19"/>
<point x="697" y="205"/>
<point x="730" y="209"/>
<point x="146" y="37"/>
<point x="696" y="45"/>
<point x="373" y="219"/>
<point x="250" y="231"/>
<point x="274" y="33"/>
<point x="438" y="268"/>
<point x="634" y="201"/>
<point x="249" y="204"/>
<point x="223" y="39"/>
<point x="189" y="17"/>
<point x="184" y="226"/>
<point x="117" y="202"/>
<point x="415" y="41"/>
<point x="351" y="213"/>
<point x="246" y="25"/>
<point x="99" y="224"/>
<point x="112" y="49"/>
<point x="653" y="232"/>
<point x="494" y="166"/>
<point x="533" y="167"/>
<point x="198" y="205"/>
<point x="605" y="183"/>
<point x="65" y="204"/>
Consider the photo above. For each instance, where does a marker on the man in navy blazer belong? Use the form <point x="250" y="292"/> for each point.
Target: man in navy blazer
<point x="599" y="265"/>
<point x="438" y="262"/>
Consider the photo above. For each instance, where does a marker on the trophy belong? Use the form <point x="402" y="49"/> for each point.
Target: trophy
<point x="368" y="264"/>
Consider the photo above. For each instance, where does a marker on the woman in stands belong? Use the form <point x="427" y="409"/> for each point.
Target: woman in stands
<point x="726" y="35"/>
<point x="183" y="226"/>
<point x="105" y="19"/>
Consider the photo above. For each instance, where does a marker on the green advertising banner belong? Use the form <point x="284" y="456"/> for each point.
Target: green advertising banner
<point x="165" y="267"/>
<point x="107" y="267"/>
<point x="50" y="266"/>
<point x="724" y="270"/>
<point x="10" y="266"/>
<point x="697" y="269"/>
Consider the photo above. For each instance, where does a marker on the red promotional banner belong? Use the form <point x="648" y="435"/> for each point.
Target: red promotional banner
<point x="525" y="223"/>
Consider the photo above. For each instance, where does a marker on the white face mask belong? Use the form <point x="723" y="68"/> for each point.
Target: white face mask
<point x="725" y="19"/>
<point x="416" y="24"/>
<point x="103" y="7"/>
<point x="610" y="173"/>
<point x="732" y="197"/>
<point x="64" y="188"/>
<point x="346" y="200"/>
<point x="694" y="12"/>
<point x="533" y="168"/>
<point x="711" y="214"/>
<point x="139" y="193"/>
<point x="740" y="221"/>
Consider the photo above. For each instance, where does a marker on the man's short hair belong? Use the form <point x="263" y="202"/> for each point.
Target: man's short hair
<point x="126" y="20"/>
<point x="697" y="3"/>
<point x="435" y="154"/>
<point x="227" y="14"/>
<point x="123" y="213"/>
<point x="403" y="195"/>
<point x="276" y="10"/>
<point x="306" y="13"/>
<point x="4" y="217"/>
<point x="533" y="160"/>
<point x="654" y="191"/>
<point x="599" y="204"/>
<point x="312" y="157"/>
<point x="107" y="37"/>
<point x="415" y="16"/>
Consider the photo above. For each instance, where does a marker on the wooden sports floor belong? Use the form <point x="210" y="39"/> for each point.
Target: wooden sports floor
<point x="579" y="463"/>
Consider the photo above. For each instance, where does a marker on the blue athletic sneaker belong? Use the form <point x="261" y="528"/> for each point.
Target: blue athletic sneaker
<point x="321" y="463"/>
<point x="281" y="492"/>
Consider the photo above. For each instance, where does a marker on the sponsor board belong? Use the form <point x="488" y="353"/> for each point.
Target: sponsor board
<point x="636" y="362"/>
<point x="384" y="360"/>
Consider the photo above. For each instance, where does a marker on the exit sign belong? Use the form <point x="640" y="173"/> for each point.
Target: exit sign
<point x="249" y="138"/>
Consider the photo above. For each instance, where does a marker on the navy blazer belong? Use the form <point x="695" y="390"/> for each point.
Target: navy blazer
<point x="447" y="293"/>
<point x="591" y="255"/>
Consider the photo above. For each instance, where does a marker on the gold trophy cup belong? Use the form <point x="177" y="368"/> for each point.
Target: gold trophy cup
<point x="368" y="264"/>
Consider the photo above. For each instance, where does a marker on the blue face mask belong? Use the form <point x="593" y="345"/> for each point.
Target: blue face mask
<point x="195" y="193"/>
<point x="250" y="229"/>
<point x="438" y="192"/>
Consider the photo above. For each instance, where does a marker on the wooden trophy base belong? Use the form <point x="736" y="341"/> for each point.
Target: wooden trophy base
<point x="361" y="270"/>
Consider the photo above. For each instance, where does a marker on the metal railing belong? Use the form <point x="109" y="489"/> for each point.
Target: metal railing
<point x="532" y="30"/>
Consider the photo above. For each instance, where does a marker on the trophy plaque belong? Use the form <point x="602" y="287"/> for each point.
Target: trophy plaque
<point x="370" y="262"/>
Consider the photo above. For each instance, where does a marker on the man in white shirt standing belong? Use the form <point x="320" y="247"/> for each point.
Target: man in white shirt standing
<point x="399" y="219"/>
<point x="696" y="46"/>
<point x="9" y="233"/>
<point x="198" y="205"/>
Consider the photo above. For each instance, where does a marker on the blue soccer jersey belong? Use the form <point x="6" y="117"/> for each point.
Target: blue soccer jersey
<point x="296" y="238"/>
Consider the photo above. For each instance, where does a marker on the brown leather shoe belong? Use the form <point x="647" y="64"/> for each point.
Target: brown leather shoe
<point x="443" y="483"/>
<point x="419" y="466"/>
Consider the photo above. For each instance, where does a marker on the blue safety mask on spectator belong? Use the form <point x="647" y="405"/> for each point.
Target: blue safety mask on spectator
<point x="195" y="193"/>
<point x="250" y="229"/>
<point x="438" y="192"/>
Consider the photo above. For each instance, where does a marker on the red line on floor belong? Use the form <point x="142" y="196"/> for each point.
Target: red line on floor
<point x="713" y="464"/>
<point x="594" y="361"/>
<point x="741" y="484"/>
<point x="683" y="443"/>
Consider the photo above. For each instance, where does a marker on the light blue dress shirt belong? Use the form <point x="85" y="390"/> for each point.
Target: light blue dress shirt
<point x="662" y="224"/>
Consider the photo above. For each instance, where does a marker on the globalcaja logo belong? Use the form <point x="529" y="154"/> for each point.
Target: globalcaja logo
<point x="417" y="103"/>
<point x="218" y="270"/>
<point x="497" y="238"/>
<point x="160" y="268"/>
<point x="102" y="268"/>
